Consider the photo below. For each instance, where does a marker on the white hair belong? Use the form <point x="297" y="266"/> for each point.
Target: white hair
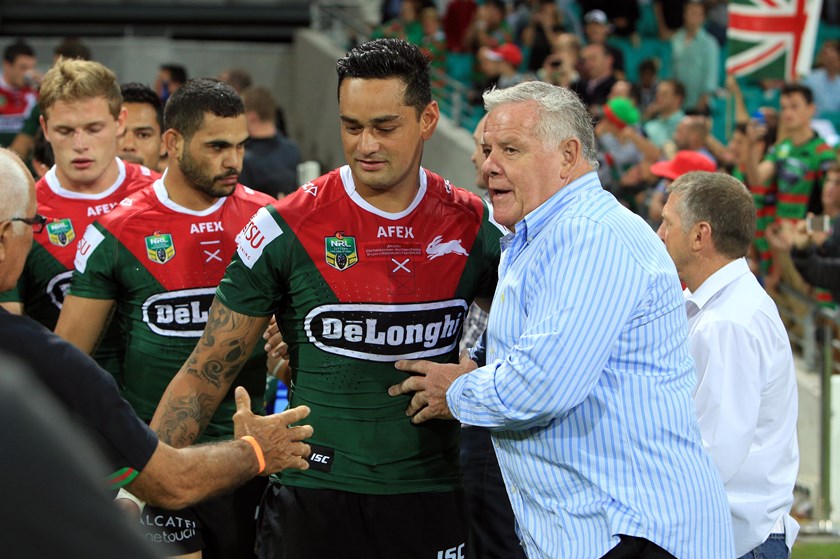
<point x="15" y="182"/>
<point x="561" y="114"/>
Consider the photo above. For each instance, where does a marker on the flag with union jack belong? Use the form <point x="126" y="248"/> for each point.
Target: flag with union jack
<point x="772" y="38"/>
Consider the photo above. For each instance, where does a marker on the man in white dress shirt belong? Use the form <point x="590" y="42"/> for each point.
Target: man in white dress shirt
<point x="746" y="385"/>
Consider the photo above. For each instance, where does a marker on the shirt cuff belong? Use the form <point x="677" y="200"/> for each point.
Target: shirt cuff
<point x="453" y="394"/>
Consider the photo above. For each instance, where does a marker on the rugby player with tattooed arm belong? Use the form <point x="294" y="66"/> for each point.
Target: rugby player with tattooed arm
<point x="371" y="263"/>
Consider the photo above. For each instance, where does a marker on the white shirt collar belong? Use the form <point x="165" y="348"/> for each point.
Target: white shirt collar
<point x="717" y="281"/>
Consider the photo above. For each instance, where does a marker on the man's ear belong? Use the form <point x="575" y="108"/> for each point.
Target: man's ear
<point x="173" y="143"/>
<point x="429" y="120"/>
<point x="701" y="235"/>
<point x="6" y="233"/>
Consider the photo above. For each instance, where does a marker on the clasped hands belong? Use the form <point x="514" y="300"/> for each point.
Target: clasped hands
<point x="429" y="385"/>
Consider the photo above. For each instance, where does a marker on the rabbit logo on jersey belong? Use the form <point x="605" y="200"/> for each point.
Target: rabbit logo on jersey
<point x="377" y="332"/>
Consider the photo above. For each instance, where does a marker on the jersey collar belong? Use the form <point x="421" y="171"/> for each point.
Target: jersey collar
<point x="54" y="184"/>
<point x="350" y="189"/>
<point x="163" y="195"/>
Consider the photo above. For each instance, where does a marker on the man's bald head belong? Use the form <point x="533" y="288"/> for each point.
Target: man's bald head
<point x="16" y="187"/>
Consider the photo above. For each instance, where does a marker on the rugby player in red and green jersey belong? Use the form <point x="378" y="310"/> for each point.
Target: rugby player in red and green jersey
<point x="81" y="116"/>
<point x="371" y="263"/>
<point x="787" y="183"/>
<point x="157" y="260"/>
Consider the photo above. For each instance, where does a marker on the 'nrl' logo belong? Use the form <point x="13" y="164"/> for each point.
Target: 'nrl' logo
<point x="160" y="248"/>
<point x="340" y="251"/>
<point x="61" y="232"/>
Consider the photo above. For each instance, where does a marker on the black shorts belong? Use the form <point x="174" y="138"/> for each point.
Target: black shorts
<point x="223" y="527"/>
<point x="299" y="523"/>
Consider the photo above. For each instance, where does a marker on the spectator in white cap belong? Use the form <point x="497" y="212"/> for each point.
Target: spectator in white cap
<point x="597" y="28"/>
<point x="622" y="15"/>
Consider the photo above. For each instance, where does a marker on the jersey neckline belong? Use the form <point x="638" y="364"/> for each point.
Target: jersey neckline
<point x="163" y="196"/>
<point x="353" y="194"/>
<point x="55" y="185"/>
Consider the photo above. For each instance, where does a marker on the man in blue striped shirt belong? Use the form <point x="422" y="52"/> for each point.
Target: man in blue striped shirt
<point x="588" y="381"/>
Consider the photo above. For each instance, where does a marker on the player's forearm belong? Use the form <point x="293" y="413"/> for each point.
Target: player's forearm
<point x="185" y="410"/>
<point x="175" y="479"/>
<point x="192" y="397"/>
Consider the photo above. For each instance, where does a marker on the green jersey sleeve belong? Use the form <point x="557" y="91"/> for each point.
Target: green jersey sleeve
<point x="253" y="282"/>
<point x="490" y="235"/>
<point x="94" y="276"/>
<point x="12" y="295"/>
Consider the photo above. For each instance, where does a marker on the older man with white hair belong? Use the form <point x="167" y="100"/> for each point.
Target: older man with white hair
<point x="587" y="387"/>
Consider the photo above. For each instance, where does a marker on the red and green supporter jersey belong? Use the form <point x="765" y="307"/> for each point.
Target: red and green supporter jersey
<point x="355" y="289"/>
<point x="162" y="263"/>
<point x="16" y="106"/>
<point x="795" y="188"/>
<point x="49" y="265"/>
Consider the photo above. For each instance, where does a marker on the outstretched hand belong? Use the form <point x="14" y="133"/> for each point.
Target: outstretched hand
<point x="281" y="444"/>
<point x="429" y="386"/>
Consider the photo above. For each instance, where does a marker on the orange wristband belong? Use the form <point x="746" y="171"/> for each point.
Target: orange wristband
<point x="257" y="450"/>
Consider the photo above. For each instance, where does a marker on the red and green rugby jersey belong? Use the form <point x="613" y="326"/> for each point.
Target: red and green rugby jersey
<point x="355" y="289"/>
<point x="16" y="106"/>
<point x="794" y="190"/>
<point x="162" y="263"/>
<point x="49" y="265"/>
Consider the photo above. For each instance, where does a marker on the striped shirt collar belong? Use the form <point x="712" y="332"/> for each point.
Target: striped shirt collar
<point x="533" y="223"/>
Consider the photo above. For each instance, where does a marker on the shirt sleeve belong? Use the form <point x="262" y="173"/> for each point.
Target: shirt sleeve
<point x="95" y="265"/>
<point x="252" y="284"/>
<point x="578" y="301"/>
<point x="89" y="393"/>
<point x="11" y="296"/>
<point x="819" y="271"/>
<point x="728" y="393"/>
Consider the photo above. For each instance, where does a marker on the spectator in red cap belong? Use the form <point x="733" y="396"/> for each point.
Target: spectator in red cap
<point x="501" y="65"/>
<point x="685" y="161"/>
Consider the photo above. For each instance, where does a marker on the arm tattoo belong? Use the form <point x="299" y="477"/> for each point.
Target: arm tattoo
<point x="227" y="341"/>
<point x="176" y="427"/>
<point x="222" y="350"/>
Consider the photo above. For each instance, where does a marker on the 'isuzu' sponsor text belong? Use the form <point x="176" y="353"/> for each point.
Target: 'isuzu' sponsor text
<point x="182" y="314"/>
<point x="387" y="332"/>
